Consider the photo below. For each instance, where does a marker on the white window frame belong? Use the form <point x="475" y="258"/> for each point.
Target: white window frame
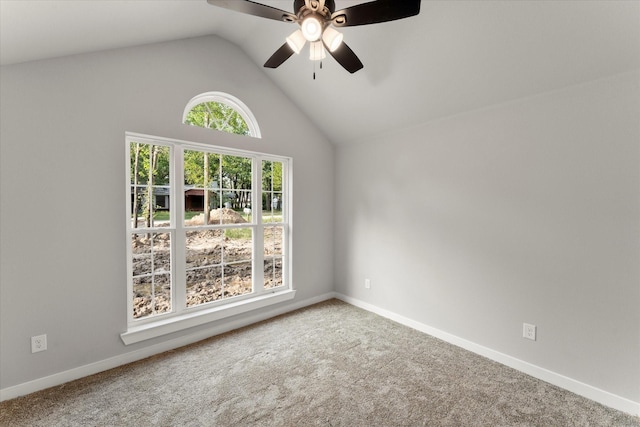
<point x="231" y="101"/>
<point x="182" y="317"/>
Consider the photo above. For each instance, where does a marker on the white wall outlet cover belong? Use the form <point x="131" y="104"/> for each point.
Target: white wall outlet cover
<point x="38" y="343"/>
<point x="529" y="331"/>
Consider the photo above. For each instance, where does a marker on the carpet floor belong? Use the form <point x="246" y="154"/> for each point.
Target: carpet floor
<point x="330" y="364"/>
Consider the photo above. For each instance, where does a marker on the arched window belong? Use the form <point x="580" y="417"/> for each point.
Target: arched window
<point x="221" y="111"/>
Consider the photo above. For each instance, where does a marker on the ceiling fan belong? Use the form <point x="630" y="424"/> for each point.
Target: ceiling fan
<point x="318" y="21"/>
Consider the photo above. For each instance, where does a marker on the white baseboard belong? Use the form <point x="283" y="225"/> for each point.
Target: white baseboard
<point x="582" y="389"/>
<point x="601" y="396"/>
<point x="123" y="359"/>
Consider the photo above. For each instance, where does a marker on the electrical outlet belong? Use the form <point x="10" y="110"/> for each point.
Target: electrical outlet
<point x="529" y="331"/>
<point x="38" y="343"/>
<point x="367" y="284"/>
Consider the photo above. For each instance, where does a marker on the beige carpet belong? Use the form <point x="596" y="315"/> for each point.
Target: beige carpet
<point x="331" y="364"/>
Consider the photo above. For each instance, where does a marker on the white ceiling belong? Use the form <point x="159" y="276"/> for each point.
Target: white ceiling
<point x="455" y="56"/>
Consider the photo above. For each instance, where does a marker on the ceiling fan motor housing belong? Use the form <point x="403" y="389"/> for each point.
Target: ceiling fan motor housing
<point x="328" y="4"/>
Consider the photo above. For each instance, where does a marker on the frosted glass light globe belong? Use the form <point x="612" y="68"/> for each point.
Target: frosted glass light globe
<point x="296" y="41"/>
<point x="316" y="51"/>
<point x="332" y="38"/>
<point x="311" y="28"/>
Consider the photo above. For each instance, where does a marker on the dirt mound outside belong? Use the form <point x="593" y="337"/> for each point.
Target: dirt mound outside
<point x="218" y="216"/>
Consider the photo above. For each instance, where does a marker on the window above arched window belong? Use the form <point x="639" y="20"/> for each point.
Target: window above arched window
<point x="221" y="111"/>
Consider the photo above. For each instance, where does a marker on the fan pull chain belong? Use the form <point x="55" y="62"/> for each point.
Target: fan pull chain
<point x="314" y="69"/>
<point x="315" y="57"/>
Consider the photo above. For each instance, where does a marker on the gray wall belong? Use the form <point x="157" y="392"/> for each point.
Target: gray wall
<point x="63" y="125"/>
<point x="524" y="212"/>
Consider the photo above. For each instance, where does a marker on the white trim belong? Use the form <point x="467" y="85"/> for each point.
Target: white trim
<point x="593" y="393"/>
<point x="189" y="320"/>
<point x="163" y="140"/>
<point x="231" y="101"/>
<point x="113" y="362"/>
<point x="585" y="390"/>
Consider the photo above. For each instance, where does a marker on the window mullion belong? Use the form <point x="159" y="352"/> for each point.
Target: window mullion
<point x="287" y="194"/>
<point x="178" y="243"/>
<point x="258" y="227"/>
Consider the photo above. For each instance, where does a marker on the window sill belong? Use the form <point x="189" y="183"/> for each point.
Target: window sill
<point x="179" y="323"/>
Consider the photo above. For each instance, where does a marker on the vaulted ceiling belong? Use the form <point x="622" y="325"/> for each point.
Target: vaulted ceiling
<point x="455" y="56"/>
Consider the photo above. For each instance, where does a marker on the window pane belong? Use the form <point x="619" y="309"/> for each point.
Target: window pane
<point x="237" y="279"/>
<point x="277" y="176"/>
<point x="151" y="265"/>
<point x="272" y="200"/>
<point x="273" y="212"/>
<point x="228" y="216"/>
<point x="202" y="192"/>
<point x="194" y="206"/>
<point x="271" y="176"/>
<point x="243" y="201"/>
<point x="247" y="214"/>
<point x="236" y="181"/>
<point x="151" y="253"/>
<point x="151" y="295"/>
<point x="273" y="273"/>
<point x="150" y="185"/>
<point x="238" y="245"/>
<point x="267" y="175"/>
<point x="142" y="263"/>
<point x="204" y="285"/>
<point x="206" y="250"/>
<point x="219" y="116"/>
<point x="162" y="293"/>
<point x="203" y="248"/>
<point x="273" y="241"/>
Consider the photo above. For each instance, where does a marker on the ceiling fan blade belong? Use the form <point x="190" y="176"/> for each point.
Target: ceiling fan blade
<point x="375" y="12"/>
<point x="345" y="57"/>
<point x="279" y="57"/>
<point x="256" y="9"/>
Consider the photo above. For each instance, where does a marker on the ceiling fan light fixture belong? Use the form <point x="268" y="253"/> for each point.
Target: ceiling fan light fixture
<point x="311" y="28"/>
<point x="316" y="51"/>
<point x="314" y="17"/>
<point x="296" y="41"/>
<point x="332" y="38"/>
